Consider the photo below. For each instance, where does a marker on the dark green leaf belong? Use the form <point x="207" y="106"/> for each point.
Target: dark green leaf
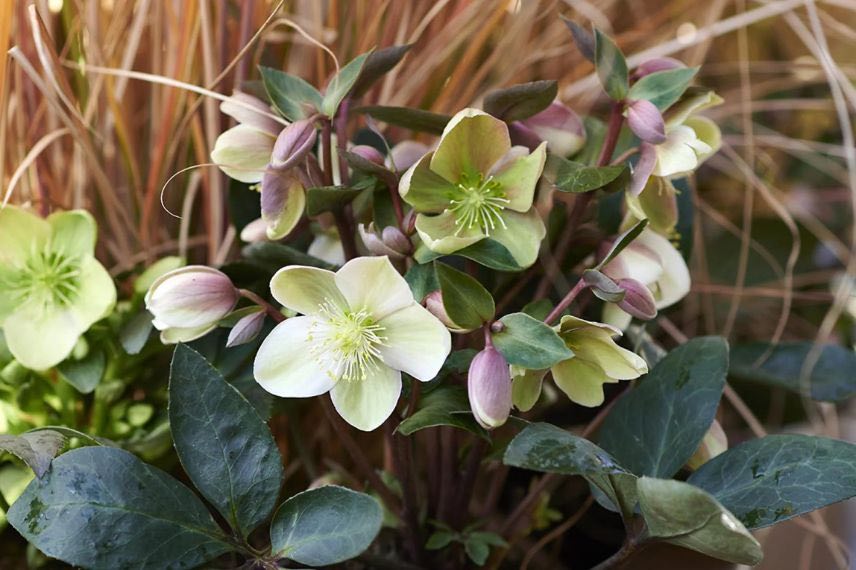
<point x="440" y="539"/>
<point x="490" y="538"/>
<point x="774" y="478"/>
<point x="575" y="177"/>
<point x="663" y="88"/>
<point x="422" y="280"/>
<point x="477" y="551"/>
<point x="380" y="63"/>
<point x="341" y="84"/>
<point x="547" y="448"/>
<point x="224" y="446"/>
<point x="491" y="254"/>
<point x="414" y="119"/>
<point x="684" y="515"/>
<point x="328" y="198"/>
<point x="36" y="449"/>
<point x="101" y="507"/>
<point x="656" y="427"/>
<point x="831" y="380"/>
<point x="84" y="438"/>
<point x="274" y="256"/>
<point x="291" y="96"/>
<point x="465" y="300"/>
<point x="621" y="242"/>
<point x="445" y="406"/>
<point x="529" y="343"/>
<point x="611" y="66"/>
<point x="582" y="38"/>
<point x="84" y="374"/>
<point x="135" y="332"/>
<point x="325" y="526"/>
<point x="538" y="309"/>
<point x="520" y="102"/>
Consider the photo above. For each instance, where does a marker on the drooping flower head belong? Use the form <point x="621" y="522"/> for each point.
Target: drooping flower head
<point x="476" y="186"/>
<point x="52" y="289"/>
<point x="360" y="329"/>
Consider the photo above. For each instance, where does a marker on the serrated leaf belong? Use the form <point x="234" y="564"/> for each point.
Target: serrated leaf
<point x="224" y="446"/>
<point x="684" y="515"/>
<point x="325" y="526"/>
<point x="84" y="374"/>
<point x="576" y="178"/>
<point x="36" y="449"/>
<point x="101" y="507"/>
<point x="413" y="119"/>
<point x="328" y="198"/>
<point x="520" y="102"/>
<point x="771" y="479"/>
<point x="611" y="66"/>
<point x="443" y="406"/>
<point x="621" y="242"/>
<point x="341" y="84"/>
<point x="293" y="97"/>
<point x="663" y="88"/>
<point x="582" y="38"/>
<point x="529" y="343"/>
<point x="379" y="63"/>
<point x="657" y="426"/>
<point x="465" y="300"/>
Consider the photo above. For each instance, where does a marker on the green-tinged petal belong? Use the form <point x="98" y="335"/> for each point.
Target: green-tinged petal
<point x="674" y="282"/>
<point x="708" y="133"/>
<point x="373" y="284"/>
<point x="40" y="339"/>
<point x="581" y="381"/>
<point x="615" y="361"/>
<point x="416" y="342"/>
<point x="676" y="155"/>
<point x="327" y="247"/>
<point x="440" y="233"/>
<point x="9" y="300"/>
<point x="570" y="324"/>
<point x="519" y="179"/>
<point x="243" y="153"/>
<point x="283" y="201"/>
<point x="423" y="189"/>
<point x="285" y="365"/>
<point x="306" y="289"/>
<point x="521" y="235"/>
<point x="154" y="271"/>
<point x="367" y="403"/>
<point x="176" y="335"/>
<point x="471" y="143"/>
<point x="21" y="233"/>
<point x="73" y="233"/>
<point x="96" y="293"/>
<point x="693" y="101"/>
<point x="657" y="202"/>
<point x="616" y="316"/>
<point x="526" y="387"/>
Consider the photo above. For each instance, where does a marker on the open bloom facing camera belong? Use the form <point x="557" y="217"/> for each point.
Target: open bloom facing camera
<point x="360" y="330"/>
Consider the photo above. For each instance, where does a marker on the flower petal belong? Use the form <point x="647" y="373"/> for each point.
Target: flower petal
<point x="73" y="233"/>
<point x="243" y="153"/>
<point x="615" y="316"/>
<point x="372" y="283"/>
<point x="520" y="178"/>
<point x="367" y="403"/>
<point x="471" y="143"/>
<point x="440" y="233"/>
<point x="526" y="387"/>
<point x="246" y="116"/>
<point x="40" y="338"/>
<point x="284" y="364"/>
<point x="327" y="247"/>
<point x="643" y="168"/>
<point x="521" y="235"/>
<point x="175" y="335"/>
<point x="581" y="381"/>
<point x="423" y="189"/>
<point x="416" y="342"/>
<point x="676" y="155"/>
<point x="283" y="200"/>
<point x="21" y="234"/>
<point x="305" y="289"/>
<point x="674" y="282"/>
<point x="97" y="293"/>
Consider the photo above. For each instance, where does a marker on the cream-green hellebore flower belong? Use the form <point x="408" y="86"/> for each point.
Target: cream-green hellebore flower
<point x="361" y="328"/>
<point x="52" y="289"/>
<point x="475" y="186"/>
<point x="244" y="151"/>
<point x="597" y="360"/>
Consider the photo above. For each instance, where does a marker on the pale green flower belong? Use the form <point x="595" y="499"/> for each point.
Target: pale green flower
<point x="361" y="328"/>
<point x="52" y="289"/>
<point x="476" y="186"/>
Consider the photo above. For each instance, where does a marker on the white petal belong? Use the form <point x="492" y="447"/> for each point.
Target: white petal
<point x="305" y="289"/>
<point x="372" y="283"/>
<point x="614" y="316"/>
<point x="175" y="335"/>
<point x="327" y="248"/>
<point x="243" y="153"/>
<point x="367" y="403"/>
<point x="239" y="109"/>
<point x="416" y="342"/>
<point x="284" y="364"/>
<point x="39" y="337"/>
<point x="674" y="283"/>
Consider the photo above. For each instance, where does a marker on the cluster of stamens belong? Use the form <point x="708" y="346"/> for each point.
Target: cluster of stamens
<point x="346" y="344"/>
<point x="48" y="278"/>
<point x="478" y="203"/>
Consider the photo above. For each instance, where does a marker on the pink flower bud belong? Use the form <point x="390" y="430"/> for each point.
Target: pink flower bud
<point x="643" y="169"/>
<point x="192" y="296"/>
<point x="293" y="144"/>
<point x="390" y="242"/>
<point x="489" y="388"/>
<point x="560" y="127"/>
<point x="369" y="153"/>
<point x="405" y="154"/>
<point x="638" y="300"/>
<point x="646" y="121"/>
<point x="246" y="329"/>
<point x="655" y="65"/>
<point x="434" y="304"/>
<point x="396" y="240"/>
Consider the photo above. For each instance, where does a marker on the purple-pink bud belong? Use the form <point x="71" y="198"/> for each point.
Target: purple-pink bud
<point x="405" y="154"/>
<point x="638" y="300"/>
<point x="646" y="121"/>
<point x="369" y="153"/>
<point x="395" y="239"/>
<point x="655" y="65"/>
<point x="559" y="126"/>
<point x="434" y="304"/>
<point x="489" y="388"/>
<point x="390" y="242"/>
<point x="293" y="144"/>
<point x="246" y="329"/>
<point x="192" y="296"/>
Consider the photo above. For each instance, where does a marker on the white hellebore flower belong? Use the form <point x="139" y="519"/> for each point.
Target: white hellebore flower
<point x="653" y="261"/>
<point x="361" y="328"/>
<point x="244" y="151"/>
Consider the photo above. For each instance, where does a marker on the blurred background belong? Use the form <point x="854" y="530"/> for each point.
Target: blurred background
<point x="773" y="255"/>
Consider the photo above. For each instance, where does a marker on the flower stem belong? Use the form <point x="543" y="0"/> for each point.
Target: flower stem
<point x="565" y="302"/>
<point x="271" y="311"/>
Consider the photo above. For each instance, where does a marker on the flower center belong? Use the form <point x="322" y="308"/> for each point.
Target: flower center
<point x="478" y="203"/>
<point x="47" y="278"/>
<point x="346" y="344"/>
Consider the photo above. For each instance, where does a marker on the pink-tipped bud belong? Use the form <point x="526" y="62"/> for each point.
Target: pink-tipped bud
<point x="192" y="296"/>
<point x="293" y="144"/>
<point x="489" y="388"/>
<point x="655" y="65"/>
<point x="646" y="121"/>
<point x="395" y="239"/>
<point x="246" y="329"/>
<point x="369" y="153"/>
<point x="560" y="127"/>
<point x="390" y="242"/>
<point x="434" y="304"/>
<point x="638" y="300"/>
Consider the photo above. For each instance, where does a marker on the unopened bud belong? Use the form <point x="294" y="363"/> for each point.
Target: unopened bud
<point x="655" y="65"/>
<point x="405" y="154"/>
<point x="646" y="121"/>
<point x="193" y="296"/>
<point x="395" y="239"/>
<point x="246" y="329"/>
<point x="293" y="144"/>
<point x="390" y="242"/>
<point x="369" y="153"/>
<point x="489" y="388"/>
<point x="560" y="127"/>
<point x="255" y="231"/>
<point x="714" y="442"/>
<point x="434" y="304"/>
<point x="638" y="300"/>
